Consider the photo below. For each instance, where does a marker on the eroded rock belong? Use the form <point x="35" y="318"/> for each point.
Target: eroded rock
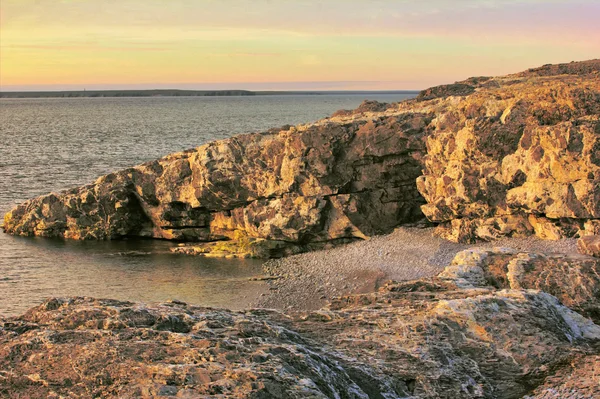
<point x="507" y="156"/>
<point x="578" y="379"/>
<point x="573" y="279"/>
<point x="516" y="155"/>
<point x="333" y="181"/>
<point x="589" y="245"/>
<point x="484" y="328"/>
<point x="422" y="339"/>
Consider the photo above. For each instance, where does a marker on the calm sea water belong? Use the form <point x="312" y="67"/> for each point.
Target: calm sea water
<point x="54" y="144"/>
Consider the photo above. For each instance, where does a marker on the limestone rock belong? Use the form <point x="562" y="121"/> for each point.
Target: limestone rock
<point x="331" y="181"/>
<point x="576" y="380"/>
<point x="476" y="331"/>
<point x="506" y="156"/>
<point x="589" y="245"/>
<point x="516" y="155"/>
<point x="573" y="279"/>
<point x="239" y="247"/>
<point x="421" y="339"/>
<point x="82" y="348"/>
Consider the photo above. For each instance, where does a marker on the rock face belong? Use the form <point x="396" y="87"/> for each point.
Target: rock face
<point x="515" y="155"/>
<point x="574" y="280"/>
<point x="331" y="181"/>
<point x="576" y="380"/>
<point x="434" y="338"/>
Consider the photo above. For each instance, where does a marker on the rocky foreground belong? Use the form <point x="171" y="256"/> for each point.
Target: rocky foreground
<point x="486" y="327"/>
<point x="488" y="157"/>
<point x="482" y="159"/>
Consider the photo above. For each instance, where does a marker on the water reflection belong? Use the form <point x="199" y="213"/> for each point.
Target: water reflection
<point x="137" y="270"/>
<point x="54" y="144"/>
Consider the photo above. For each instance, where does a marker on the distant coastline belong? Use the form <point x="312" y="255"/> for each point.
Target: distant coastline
<point x="181" y="93"/>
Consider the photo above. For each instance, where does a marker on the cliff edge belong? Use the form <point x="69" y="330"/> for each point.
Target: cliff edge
<point x="483" y="158"/>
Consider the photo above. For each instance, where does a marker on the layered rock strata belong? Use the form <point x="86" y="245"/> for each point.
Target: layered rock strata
<point x="454" y="336"/>
<point x="574" y="280"/>
<point x="506" y="156"/>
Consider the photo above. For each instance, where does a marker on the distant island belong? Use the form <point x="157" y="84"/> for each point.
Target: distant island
<point x="178" y="93"/>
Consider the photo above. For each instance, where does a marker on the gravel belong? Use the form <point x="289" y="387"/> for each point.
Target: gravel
<point x="307" y="281"/>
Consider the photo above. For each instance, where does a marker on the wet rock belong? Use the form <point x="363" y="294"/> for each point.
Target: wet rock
<point x="240" y="247"/>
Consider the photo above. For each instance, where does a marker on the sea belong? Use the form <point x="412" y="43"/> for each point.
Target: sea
<point x="52" y="144"/>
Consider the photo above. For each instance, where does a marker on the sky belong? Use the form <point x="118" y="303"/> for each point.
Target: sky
<point x="285" y="45"/>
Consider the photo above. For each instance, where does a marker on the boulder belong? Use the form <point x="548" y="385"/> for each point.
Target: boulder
<point x="589" y="245"/>
<point x="573" y="279"/>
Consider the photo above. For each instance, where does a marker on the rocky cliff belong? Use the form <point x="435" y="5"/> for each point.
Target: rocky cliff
<point x="513" y="155"/>
<point x="332" y="180"/>
<point x="478" y="330"/>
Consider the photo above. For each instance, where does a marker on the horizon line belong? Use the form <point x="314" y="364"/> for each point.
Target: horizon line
<point x="216" y="90"/>
<point x="358" y="85"/>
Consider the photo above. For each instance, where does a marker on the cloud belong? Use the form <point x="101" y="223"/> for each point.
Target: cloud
<point x="215" y="40"/>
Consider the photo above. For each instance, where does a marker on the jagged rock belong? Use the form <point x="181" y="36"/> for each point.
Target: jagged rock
<point x="573" y="279"/>
<point x="589" y="245"/>
<point x="366" y="106"/>
<point x="82" y="348"/>
<point x="422" y="339"/>
<point x="576" y="380"/>
<point x="507" y="156"/>
<point x="455" y="89"/>
<point x="333" y="180"/>
<point x="459" y="335"/>
<point x="516" y="155"/>
<point x="468" y="338"/>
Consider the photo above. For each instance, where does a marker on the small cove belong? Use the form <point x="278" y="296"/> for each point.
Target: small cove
<point x="54" y="144"/>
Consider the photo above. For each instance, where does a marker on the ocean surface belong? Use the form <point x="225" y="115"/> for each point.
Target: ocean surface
<point x="58" y="143"/>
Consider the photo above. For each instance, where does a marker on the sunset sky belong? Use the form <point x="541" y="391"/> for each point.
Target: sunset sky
<point x="280" y="44"/>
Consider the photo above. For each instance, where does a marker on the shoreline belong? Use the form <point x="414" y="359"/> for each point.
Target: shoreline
<point x="308" y="281"/>
<point x="478" y="323"/>
<point x="509" y="164"/>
